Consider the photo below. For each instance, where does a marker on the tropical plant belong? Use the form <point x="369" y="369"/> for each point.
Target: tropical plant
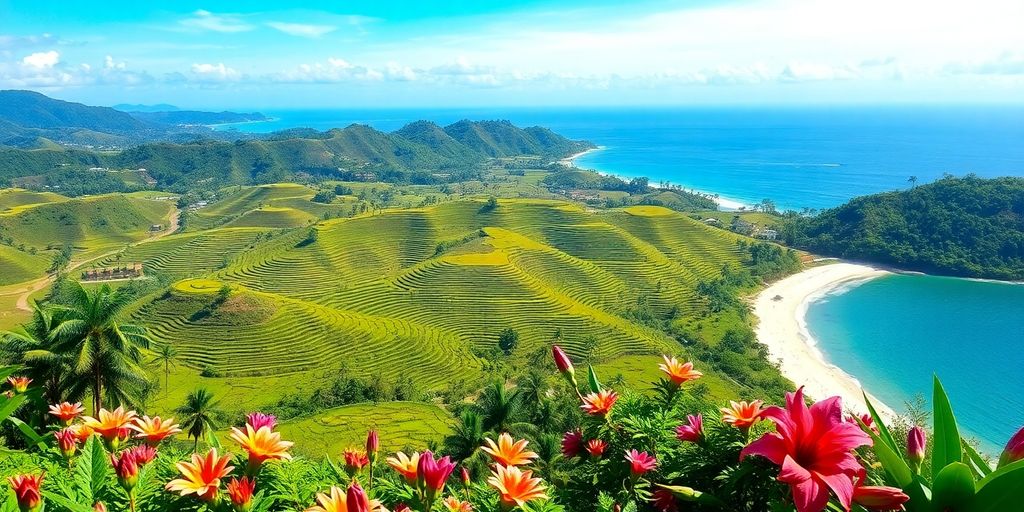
<point x="198" y="414"/>
<point x="33" y="349"/>
<point x="167" y="356"/>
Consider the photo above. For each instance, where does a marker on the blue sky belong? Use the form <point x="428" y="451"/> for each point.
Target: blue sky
<point x="274" y="55"/>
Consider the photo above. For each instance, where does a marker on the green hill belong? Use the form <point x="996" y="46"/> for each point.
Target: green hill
<point x="28" y="109"/>
<point x="966" y="226"/>
<point x="19" y="266"/>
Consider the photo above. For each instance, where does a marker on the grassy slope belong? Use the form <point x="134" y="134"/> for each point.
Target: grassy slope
<point x="400" y="425"/>
<point x="17" y="266"/>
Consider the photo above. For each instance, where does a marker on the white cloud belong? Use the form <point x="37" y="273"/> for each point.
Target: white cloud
<point x="110" y="63"/>
<point x="1007" y="63"/>
<point x="302" y="29"/>
<point x="206" y="20"/>
<point x="42" y="60"/>
<point x="215" y="72"/>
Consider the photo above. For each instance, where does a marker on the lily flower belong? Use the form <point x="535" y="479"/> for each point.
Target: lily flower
<point x="516" y="487"/>
<point x="240" y="492"/>
<point x="262" y="445"/>
<point x="572" y="444"/>
<point x="67" y="442"/>
<point x="596" y="447"/>
<point x="407" y="466"/>
<point x="814" y="448"/>
<point x="507" y="452"/>
<point x="640" y="463"/>
<point x="742" y="415"/>
<point x="677" y="372"/>
<point x="693" y="431"/>
<point x="113" y="426"/>
<point x="1014" y="450"/>
<point x="355" y="461"/>
<point x="453" y="504"/>
<point x="26" y="491"/>
<point x="19" y="384"/>
<point x="82" y="432"/>
<point x="878" y="498"/>
<point x="599" y="404"/>
<point x="259" y="420"/>
<point x="66" y="412"/>
<point x="153" y="430"/>
<point x="916" y="443"/>
<point x="202" y="475"/>
<point x="435" y="472"/>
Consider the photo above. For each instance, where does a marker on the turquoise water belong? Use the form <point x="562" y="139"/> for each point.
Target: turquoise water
<point x="892" y="333"/>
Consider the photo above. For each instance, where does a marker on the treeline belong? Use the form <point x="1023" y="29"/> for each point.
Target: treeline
<point x="961" y="226"/>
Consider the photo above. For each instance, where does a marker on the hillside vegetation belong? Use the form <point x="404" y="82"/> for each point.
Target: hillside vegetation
<point x="966" y="226"/>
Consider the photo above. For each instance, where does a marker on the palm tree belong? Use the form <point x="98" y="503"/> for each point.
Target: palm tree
<point x="913" y="181"/>
<point x="33" y="347"/>
<point x="166" y="356"/>
<point x="104" y="353"/>
<point x="498" y="406"/>
<point x="467" y="437"/>
<point x="197" y="414"/>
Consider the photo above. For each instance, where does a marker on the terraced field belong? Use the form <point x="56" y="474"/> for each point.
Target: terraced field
<point x="280" y="205"/>
<point x="189" y="254"/>
<point x="17" y="266"/>
<point x="399" y="424"/>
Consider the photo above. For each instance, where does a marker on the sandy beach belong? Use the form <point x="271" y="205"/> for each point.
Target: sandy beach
<point x="780" y="310"/>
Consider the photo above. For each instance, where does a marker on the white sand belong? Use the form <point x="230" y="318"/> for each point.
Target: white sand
<point x="783" y="329"/>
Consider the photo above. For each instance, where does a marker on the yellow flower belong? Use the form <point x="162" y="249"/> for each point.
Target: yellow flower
<point x="508" y="453"/>
<point x="406" y="465"/>
<point x="154" y="430"/>
<point x="454" y="504"/>
<point x="112" y="425"/>
<point x="262" y="444"/>
<point x="742" y="414"/>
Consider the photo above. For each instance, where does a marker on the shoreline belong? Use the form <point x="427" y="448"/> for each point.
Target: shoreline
<point x="782" y="327"/>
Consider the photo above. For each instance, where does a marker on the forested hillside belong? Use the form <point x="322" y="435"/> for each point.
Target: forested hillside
<point x="957" y="226"/>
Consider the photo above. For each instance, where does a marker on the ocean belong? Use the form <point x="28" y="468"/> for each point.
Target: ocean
<point x="892" y="333"/>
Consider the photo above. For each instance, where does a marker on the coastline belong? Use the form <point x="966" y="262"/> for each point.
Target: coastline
<point x="782" y="327"/>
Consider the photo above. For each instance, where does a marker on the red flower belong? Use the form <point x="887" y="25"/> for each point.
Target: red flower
<point x="693" y="431"/>
<point x="143" y="453"/>
<point x="596" y="447"/>
<point x="562" y="361"/>
<point x="640" y="463"/>
<point x="664" y="501"/>
<point x="599" y="404"/>
<point x="372" y="444"/>
<point x="915" y="446"/>
<point x="26" y="490"/>
<point x="867" y="420"/>
<point x="240" y="492"/>
<point x="355" y="461"/>
<point x="435" y="472"/>
<point x="814" y="447"/>
<point x="126" y="468"/>
<point x="878" y="498"/>
<point x="67" y="441"/>
<point x="356" y="500"/>
<point x="572" y="444"/>
<point x="1014" y="450"/>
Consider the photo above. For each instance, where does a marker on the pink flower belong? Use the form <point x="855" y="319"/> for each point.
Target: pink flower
<point x="435" y="472"/>
<point x="814" y="447"/>
<point x="664" y="501"/>
<point x="259" y="420"/>
<point x="867" y="420"/>
<point x="692" y="431"/>
<point x="1014" y="450"/>
<point x="143" y="453"/>
<point x="572" y="444"/>
<point x="562" y="361"/>
<point x="67" y="441"/>
<point x="356" y="499"/>
<point x="916" y="446"/>
<point x="126" y="468"/>
<point x="640" y="463"/>
<point x="372" y="444"/>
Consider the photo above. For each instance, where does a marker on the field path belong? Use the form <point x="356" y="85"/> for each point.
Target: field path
<point x="43" y="282"/>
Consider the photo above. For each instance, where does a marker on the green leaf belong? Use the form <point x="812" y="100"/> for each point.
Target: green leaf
<point x="891" y="460"/>
<point x="9" y="405"/>
<point x="978" y="464"/>
<point x="953" y="488"/>
<point x="946" y="445"/>
<point x="30" y="434"/>
<point x="595" y="386"/>
<point x="66" y="503"/>
<point x="92" y="471"/>
<point x="883" y="431"/>
<point x="1001" y="490"/>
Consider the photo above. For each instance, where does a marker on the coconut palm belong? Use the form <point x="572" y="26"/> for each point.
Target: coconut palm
<point x="167" y="357"/>
<point x="104" y="353"/>
<point x="33" y="349"/>
<point x="198" y="414"/>
<point x="467" y="436"/>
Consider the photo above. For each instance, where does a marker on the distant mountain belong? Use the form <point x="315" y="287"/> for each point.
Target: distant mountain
<point x="129" y="107"/>
<point x="31" y="110"/>
<point x="195" y="117"/>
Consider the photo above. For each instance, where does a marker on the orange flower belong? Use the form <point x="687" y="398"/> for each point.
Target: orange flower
<point x="355" y="461"/>
<point x="406" y="465"/>
<point x="112" y="425"/>
<point x="240" y="492"/>
<point x="678" y="372"/>
<point x="66" y="412"/>
<point x="508" y="453"/>
<point x="454" y="504"/>
<point x="202" y="475"/>
<point x="82" y="432"/>
<point x="154" y="430"/>
<point x="262" y="444"/>
<point x="337" y="501"/>
<point x="599" y="404"/>
<point x="19" y="384"/>
<point x="516" y="487"/>
<point x="742" y="414"/>
<point x="26" y="491"/>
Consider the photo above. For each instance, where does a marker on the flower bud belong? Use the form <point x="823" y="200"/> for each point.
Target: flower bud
<point x="126" y="468"/>
<point x="26" y="491"/>
<point x="562" y="361"/>
<point x="67" y="442"/>
<point x="356" y="500"/>
<point x="240" y="492"/>
<point x="99" y="507"/>
<point x="1014" y="450"/>
<point x="372" y="445"/>
<point x="464" y="473"/>
<point x="916" y="446"/>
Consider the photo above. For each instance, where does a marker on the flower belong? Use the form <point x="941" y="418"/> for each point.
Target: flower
<point x="677" y="372"/>
<point x="572" y="444"/>
<point x="742" y="414"/>
<point x="814" y="448"/>
<point x="562" y="361"/>
<point x="600" y="403"/>
<point x="26" y="490"/>
<point x="640" y="463"/>
<point x="664" y="501"/>
<point x="143" y="453"/>
<point x="1014" y="450"/>
<point x="435" y="472"/>
<point x="202" y="475"/>
<point x="507" y="452"/>
<point x="915" y="446"/>
<point x="67" y="442"/>
<point x="112" y="425"/>
<point x="454" y="504"/>
<point x="515" y="487"/>
<point x="595" y="447"/>
<point x="99" y="507"/>
<point x="867" y="420"/>
<point x="333" y="502"/>
<point x="66" y="412"/>
<point x="126" y="468"/>
<point x="406" y="465"/>
<point x="356" y="500"/>
<point x="82" y="432"/>
<point x="153" y="430"/>
<point x="262" y="444"/>
<point x="464" y="474"/>
<point x="693" y="431"/>
<point x="259" y="420"/>
<point x="878" y="498"/>
<point x="355" y="461"/>
<point x="19" y="384"/>
<point x="372" y="445"/>
<point x="240" y="492"/>
<point x="402" y="507"/>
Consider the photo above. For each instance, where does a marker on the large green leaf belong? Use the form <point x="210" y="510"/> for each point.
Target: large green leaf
<point x="1002" y="490"/>
<point x="30" y="434"/>
<point x="66" y="503"/>
<point x="883" y="431"/>
<point x="978" y="464"/>
<point x="953" y="488"/>
<point x="92" y="471"/>
<point x="891" y="460"/>
<point x="9" y="405"/>
<point x="595" y="385"/>
<point x="946" y="447"/>
<point x="7" y="371"/>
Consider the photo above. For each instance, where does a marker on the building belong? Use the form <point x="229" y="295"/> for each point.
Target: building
<point x="767" y="234"/>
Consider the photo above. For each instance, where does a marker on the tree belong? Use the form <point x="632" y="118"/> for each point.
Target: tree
<point x="197" y="414"/>
<point x="34" y="350"/>
<point x="499" y="407"/>
<point x="105" y="354"/>
<point x="913" y="181"/>
<point x="166" y="356"/>
<point x="507" y="340"/>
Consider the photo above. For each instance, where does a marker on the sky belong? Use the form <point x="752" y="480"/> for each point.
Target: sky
<point x="464" y="53"/>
